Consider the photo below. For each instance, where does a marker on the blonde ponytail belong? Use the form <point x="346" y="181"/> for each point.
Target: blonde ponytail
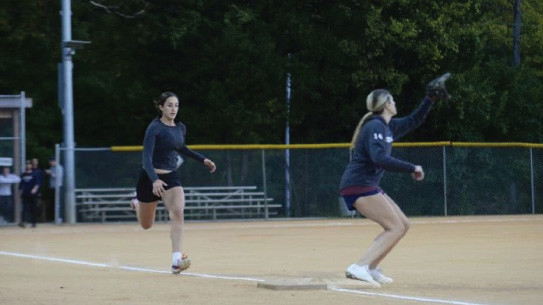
<point x="357" y="130"/>
<point x="375" y="103"/>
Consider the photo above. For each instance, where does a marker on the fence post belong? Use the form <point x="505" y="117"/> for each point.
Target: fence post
<point x="444" y="180"/>
<point x="266" y="216"/>
<point x="22" y="136"/>
<point x="58" y="219"/>
<point x="532" y="179"/>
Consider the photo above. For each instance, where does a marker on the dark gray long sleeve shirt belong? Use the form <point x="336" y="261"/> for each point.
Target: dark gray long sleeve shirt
<point x="161" y="146"/>
<point x="372" y="152"/>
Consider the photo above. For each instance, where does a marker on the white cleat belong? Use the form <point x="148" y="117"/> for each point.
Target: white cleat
<point x="361" y="273"/>
<point x="182" y="264"/>
<point x="378" y="276"/>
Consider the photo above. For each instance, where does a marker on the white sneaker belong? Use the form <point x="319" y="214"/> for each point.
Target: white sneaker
<point x="362" y="273"/>
<point x="378" y="276"/>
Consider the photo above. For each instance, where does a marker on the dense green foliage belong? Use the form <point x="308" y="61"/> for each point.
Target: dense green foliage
<point x="228" y="60"/>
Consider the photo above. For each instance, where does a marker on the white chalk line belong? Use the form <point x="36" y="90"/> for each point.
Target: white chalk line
<point x="402" y="297"/>
<point x="138" y="269"/>
<point x="129" y="268"/>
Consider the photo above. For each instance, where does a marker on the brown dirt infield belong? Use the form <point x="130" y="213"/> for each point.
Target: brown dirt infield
<point x="492" y="260"/>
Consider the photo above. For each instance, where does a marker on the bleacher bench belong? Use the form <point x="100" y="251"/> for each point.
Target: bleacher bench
<point x="106" y="204"/>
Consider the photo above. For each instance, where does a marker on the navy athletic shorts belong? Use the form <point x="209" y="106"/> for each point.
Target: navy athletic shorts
<point x="350" y="198"/>
<point x="144" y="188"/>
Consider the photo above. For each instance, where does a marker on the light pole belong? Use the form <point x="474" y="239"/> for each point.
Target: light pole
<point x="287" y="150"/>
<point x="68" y="50"/>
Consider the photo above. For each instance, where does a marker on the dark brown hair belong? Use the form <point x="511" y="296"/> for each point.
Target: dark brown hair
<point x="162" y="99"/>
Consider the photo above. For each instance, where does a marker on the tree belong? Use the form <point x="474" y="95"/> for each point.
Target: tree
<point x="516" y="35"/>
<point x="227" y="61"/>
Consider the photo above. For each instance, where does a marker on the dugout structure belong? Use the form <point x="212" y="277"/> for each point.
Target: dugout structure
<point x="13" y="136"/>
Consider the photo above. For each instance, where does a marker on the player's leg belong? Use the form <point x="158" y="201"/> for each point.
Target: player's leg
<point x="406" y="226"/>
<point x="375" y="272"/>
<point x="145" y="202"/>
<point x="377" y="208"/>
<point x="174" y="200"/>
<point x="146" y="213"/>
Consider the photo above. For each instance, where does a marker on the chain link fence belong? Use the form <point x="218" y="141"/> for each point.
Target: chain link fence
<point x="459" y="180"/>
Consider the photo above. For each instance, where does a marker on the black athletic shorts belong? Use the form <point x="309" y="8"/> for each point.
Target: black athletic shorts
<point x="144" y="188"/>
<point x="351" y="194"/>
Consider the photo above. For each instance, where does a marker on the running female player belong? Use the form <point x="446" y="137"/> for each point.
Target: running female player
<point x="159" y="180"/>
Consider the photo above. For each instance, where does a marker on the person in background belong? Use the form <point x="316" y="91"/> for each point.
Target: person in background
<point x="29" y="186"/>
<point x="56" y="174"/>
<point x="40" y="173"/>
<point x="37" y="169"/>
<point x="7" y="179"/>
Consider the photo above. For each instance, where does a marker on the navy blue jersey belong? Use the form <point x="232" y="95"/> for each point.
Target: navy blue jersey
<point x="41" y="175"/>
<point x="372" y="152"/>
<point x="28" y="182"/>
<point x="161" y="146"/>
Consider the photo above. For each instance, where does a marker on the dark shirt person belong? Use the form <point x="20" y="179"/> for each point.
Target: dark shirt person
<point x="29" y="187"/>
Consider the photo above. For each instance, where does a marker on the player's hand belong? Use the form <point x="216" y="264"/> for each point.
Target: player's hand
<point x="158" y="187"/>
<point x="211" y="165"/>
<point x="418" y="174"/>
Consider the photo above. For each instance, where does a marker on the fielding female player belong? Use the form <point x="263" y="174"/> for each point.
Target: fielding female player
<point x="371" y="148"/>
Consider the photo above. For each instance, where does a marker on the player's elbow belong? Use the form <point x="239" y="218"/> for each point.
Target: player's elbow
<point x="381" y="161"/>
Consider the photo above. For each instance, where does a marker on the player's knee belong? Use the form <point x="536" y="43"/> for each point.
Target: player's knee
<point x="396" y="229"/>
<point x="146" y="226"/>
<point x="400" y="228"/>
<point x="177" y="215"/>
<point x="406" y="226"/>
